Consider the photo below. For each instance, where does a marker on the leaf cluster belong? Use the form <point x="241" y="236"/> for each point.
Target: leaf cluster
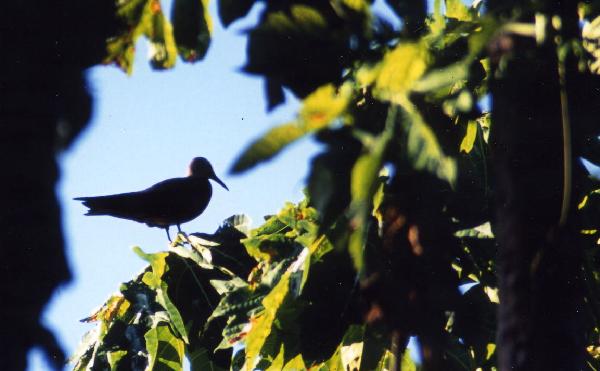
<point x="396" y="236"/>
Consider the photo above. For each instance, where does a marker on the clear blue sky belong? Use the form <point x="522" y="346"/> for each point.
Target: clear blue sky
<point x="146" y="128"/>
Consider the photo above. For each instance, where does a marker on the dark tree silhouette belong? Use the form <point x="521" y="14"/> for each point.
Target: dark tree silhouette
<point x="46" y="46"/>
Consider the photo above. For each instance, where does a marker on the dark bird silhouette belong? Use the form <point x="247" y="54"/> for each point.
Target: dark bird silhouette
<point x="170" y="202"/>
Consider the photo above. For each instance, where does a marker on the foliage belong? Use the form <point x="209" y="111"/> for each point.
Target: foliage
<point x="395" y="238"/>
<point x="187" y="34"/>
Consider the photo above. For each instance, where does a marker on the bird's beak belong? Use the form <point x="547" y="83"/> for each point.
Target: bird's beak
<point x="216" y="179"/>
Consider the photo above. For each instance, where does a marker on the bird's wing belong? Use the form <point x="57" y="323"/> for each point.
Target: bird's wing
<point x="124" y="205"/>
<point x="160" y="205"/>
<point x="180" y="195"/>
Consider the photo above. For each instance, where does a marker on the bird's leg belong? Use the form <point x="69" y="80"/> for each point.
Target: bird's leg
<point x="168" y="236"/>
<point x="184" y="235"/>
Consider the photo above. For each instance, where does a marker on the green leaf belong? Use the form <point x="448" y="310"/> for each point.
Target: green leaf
<point x="277" y="363"/>
<point x="200" y="255"/>
<point x="400" y="69"/>
<point x="232" y="10"/>
<point x="363" y="186"/>
<point x="192" y="28"/>
<point x="200" y="361"/>
<point x="240" y="222"/>
<point x="296" y="363"/>
<point x="376" y="342"/>
<point x="442" y="78"/>
<point x="364" y="174"/>
<point x="121" y="48"/>
<point x="85" y="350"/>
<point x="163" y="52"/>
<point x="238" y="301"/>
<point x="475" y="322"/>
<point x="352" y="347"/>
<point x="466" y="145"/>
<point x="386" y="361"/>
<point x="156" y="260"/>
<point x="224" y="287"/>
<point x="261" y="327"/>
<point x="407" y="362"/>
<point x="481" y="231"/>
<point x="308" y="17"/>
<point x="267" y="146"/>
<point x="437" y="23"/>
<point x="266" y="247"/>
<point x="176" y="320"/>
<point x="165" y="350"/>
<point x="458" y="10"/>
<point x="154" y="281"/>
<point x="323" y="106"/>
<point x="319" y="109"/>
<point x="114" y="358"/>
<point x="332" y="364"/>
<point x="424" y="151"/>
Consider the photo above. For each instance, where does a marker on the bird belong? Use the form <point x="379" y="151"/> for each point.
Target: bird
<point x="170" y="202"/>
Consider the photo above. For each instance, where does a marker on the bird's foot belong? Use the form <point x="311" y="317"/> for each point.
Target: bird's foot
<point x="181" y="239"/>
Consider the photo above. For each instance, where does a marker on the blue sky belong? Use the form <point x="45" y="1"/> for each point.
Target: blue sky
<point x="146" y="128"/>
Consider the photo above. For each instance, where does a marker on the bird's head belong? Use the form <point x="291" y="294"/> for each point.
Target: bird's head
<point x="200" y="167"/>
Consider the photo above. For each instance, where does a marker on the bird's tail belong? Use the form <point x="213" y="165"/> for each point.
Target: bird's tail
<point x="101" y="205"/>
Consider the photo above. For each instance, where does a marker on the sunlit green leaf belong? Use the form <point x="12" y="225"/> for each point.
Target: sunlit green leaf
<point x="458" y="10"/>
<point x="261" y="326"/>
<point x="165" y="350"/>
<point x="163" y="51"/>
<point x="334" y="363"/>
<point x="407" y="362"/>
<point x="323" y="106"/>
<point x="437" y="23"/>
<point x="466" y="145"/>
<point x="277" y="363"/>
<point x="400" y="69"/>
<point x="268" y="146"/>
<point x="120" y="49"/>
<point x="386" y="361"/>
<point x="156" y="260"/>
<point x="154" y="280"/>
<point x="296" y="363"/>
<point x="85" y="350"/>
<point x="319" y="110"/>
<point x="352" y="348"/>
<point x="481" y="231"/>
<point x="114" y="358"/>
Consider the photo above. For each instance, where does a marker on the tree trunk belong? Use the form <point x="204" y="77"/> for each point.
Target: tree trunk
<point x="541" y="298"/>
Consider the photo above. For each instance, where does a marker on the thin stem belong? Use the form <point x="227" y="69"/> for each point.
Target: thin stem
<point x="566" y="133"/>
<point x="395" y="349"/>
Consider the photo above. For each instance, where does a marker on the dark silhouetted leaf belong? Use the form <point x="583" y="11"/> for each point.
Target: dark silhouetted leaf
<point x="231" y="10"/>
<point x="192" y="28"/>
